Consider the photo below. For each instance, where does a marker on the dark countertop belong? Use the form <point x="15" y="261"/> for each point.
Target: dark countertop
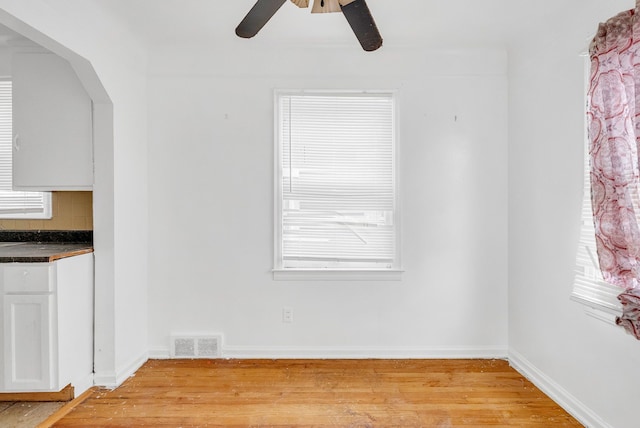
<point x="53" y="236"/>
<point x="43" y="246"/>
<point x="40" y="252"/>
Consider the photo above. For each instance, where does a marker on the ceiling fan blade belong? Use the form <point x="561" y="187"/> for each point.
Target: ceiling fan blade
<point x="257" y="17"/>
<point x="361" y="21"/>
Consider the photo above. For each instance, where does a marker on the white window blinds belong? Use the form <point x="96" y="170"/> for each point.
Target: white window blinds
<point x="590" y="287"/>
<point x="15" y="204"/>
<point x="336" y="185"/>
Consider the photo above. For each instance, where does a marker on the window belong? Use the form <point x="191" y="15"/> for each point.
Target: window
<point x="13" y="204"/>
<point x="589" y="286"/>
<point x="336" y="188"/>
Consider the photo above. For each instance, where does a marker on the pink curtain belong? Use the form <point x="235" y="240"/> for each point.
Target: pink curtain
<point x="630" y="318"/>
<point x="614" y="133"/>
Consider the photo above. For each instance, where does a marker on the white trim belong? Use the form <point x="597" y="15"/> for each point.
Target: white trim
<point x="80" y="386"/>
<point x="598" y="310"/>
<point x="113" y="380"/>
<point x="352" y="352"/>
<point x="599" y="299"/>
<point x="556" y="392"/>
<point x="336" y="275"/>
<point x="159" y="353"/>
<point x="106" y="380"/>
<point x="277" y="176"/>
<point x="365" y="352"/>
<point x="602" y="315"/>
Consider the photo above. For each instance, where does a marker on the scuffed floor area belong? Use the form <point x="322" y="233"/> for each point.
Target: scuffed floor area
<point x="26" y="414"/>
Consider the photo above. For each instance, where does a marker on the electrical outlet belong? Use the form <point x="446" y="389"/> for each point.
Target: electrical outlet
<point x="287" y="315"/>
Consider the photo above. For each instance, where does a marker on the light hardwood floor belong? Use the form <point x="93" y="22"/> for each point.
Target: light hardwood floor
<point x="337" y="393"/>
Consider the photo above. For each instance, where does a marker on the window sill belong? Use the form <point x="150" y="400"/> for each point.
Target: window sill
<point x="45" y="216"/>
<point x="601" y="302"/>
<point x="600" y="309"/>
<point x="336" y="275"/>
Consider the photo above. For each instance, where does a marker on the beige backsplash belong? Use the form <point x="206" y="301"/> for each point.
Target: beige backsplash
<point x="71" y="211"/>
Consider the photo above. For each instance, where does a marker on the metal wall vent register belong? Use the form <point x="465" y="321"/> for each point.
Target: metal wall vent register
<point x="193" y="346"/>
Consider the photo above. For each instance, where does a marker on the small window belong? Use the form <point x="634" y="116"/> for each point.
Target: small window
<point x="336" y="189"/>
<point x="589" y="287"/>
<point x="14" y="204"/>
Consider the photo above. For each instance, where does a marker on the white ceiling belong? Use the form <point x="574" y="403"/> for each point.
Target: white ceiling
<point x="431" y="22"/>
<point x="428" y="23"/>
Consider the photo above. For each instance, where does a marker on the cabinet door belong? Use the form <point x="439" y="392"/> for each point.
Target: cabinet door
<point x="52" y="125"/>
<point x="29" y="360"/>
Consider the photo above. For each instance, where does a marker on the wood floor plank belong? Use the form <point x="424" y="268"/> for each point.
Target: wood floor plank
<point x="367" y="393"/>
<point x="68" y="406"/>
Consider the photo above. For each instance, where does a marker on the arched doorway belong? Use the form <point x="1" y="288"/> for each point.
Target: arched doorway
<point x="103" y="196"/>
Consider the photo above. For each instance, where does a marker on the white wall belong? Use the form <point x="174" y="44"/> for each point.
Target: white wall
<point x="79" y="31"/>
<point x="210" y="134"/>
<point x="591" y="367"/>
<point x="211" y="204"/>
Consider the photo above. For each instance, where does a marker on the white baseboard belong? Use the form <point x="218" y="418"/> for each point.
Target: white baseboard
<point x="113" y="380"/>
<point x="557" y="393"/>
<point x="355" y="352"/>
<point x="81" y="385"/>
<point x="159" y="353"/>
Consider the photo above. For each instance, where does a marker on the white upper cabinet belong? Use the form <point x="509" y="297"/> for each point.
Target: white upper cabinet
<point x="52" y="125"/>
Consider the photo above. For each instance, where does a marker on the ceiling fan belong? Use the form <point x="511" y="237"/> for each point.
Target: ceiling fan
<point x="356" y="11"/>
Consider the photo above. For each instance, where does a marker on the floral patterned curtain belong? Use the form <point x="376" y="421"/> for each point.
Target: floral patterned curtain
<point x="614" y="133"/>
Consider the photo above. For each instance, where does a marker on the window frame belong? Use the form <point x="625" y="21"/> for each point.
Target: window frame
<point x="394" y="273"/>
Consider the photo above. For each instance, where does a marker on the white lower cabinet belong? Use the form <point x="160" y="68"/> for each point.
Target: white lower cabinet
<point x="47" y="325"/>
<point x="28" y="335"/>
